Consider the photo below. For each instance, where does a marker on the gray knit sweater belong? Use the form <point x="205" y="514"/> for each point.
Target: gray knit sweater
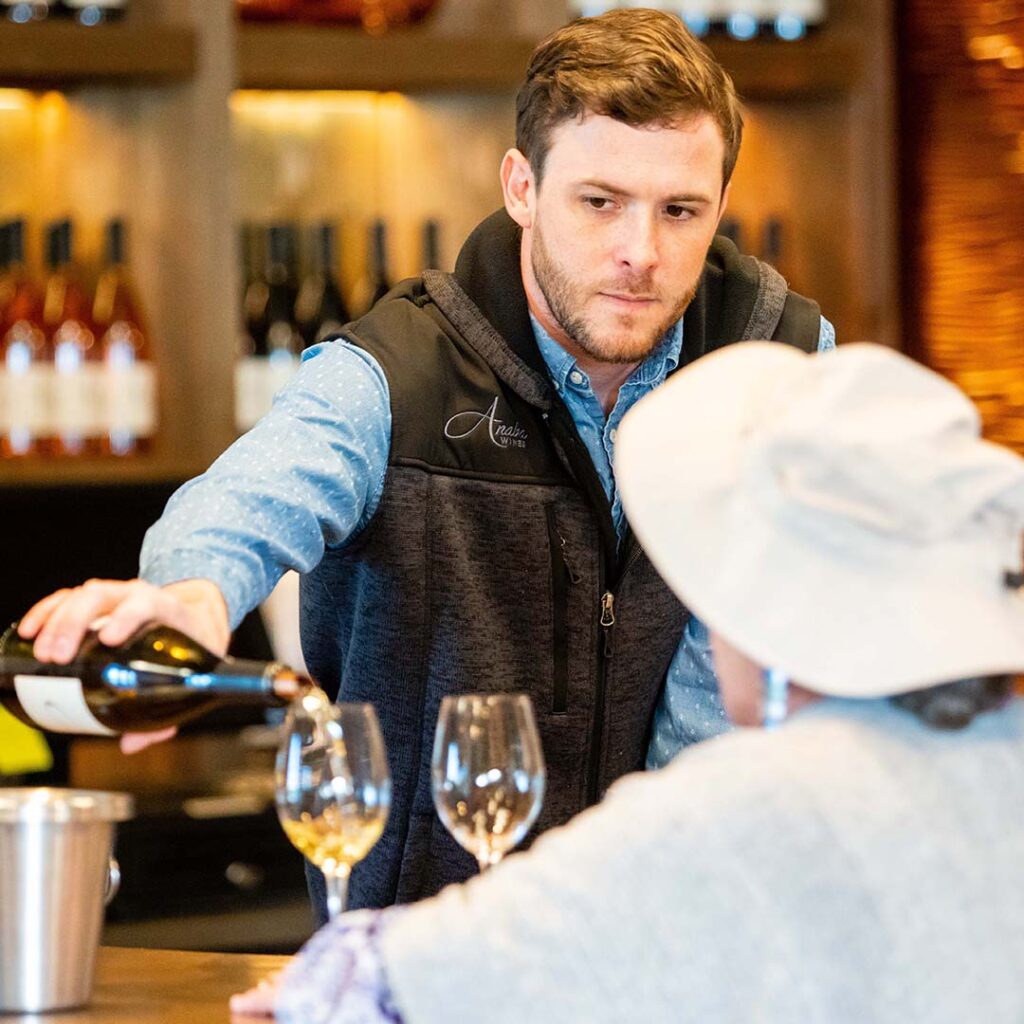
<point x="853" y="866"/>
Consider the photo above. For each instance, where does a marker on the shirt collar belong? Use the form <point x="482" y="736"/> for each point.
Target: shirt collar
<point x="652" y="371"/>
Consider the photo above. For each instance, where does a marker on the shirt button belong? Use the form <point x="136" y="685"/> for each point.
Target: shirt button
<point x="576" y="377"/>
<point x="612" y="434"/>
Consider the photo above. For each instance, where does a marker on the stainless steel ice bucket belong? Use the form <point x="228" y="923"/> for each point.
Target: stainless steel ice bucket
<point x="55" y="871"/>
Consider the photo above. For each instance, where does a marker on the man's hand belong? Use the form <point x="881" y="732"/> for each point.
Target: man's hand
<point x="58" y="623"/>
<point x="258" y="1001"/>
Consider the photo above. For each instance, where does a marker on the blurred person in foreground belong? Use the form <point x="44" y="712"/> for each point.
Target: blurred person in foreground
<point x="443" y="476"/>
<point x="855" y="550"/>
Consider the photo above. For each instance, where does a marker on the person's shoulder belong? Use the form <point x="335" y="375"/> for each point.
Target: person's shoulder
<point x="812" y="760"/>
<point x="757" y="302"/>
<point x="404" y="318"/>
<point x="716" y="781"/>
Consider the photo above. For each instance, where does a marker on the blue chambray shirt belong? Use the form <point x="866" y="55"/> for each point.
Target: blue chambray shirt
<point x="310" y="475"/>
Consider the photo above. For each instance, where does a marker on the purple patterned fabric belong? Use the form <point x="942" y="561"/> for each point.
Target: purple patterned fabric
<point x="338" y="977"/>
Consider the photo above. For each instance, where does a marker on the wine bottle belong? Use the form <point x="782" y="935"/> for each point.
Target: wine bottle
<point x="26" y="356"/>
<point x="746" y="19"/>
<point x="252" y="244"/>
<point x="252" y="349"/>
<point x="375" y="283"/>
<point x="431" y="258"/>
<point x="732" y="228"/>
<point x="774" y="248"/>
<point x="129" y="377"/>
<point x="77" y="379"/>
<point x="698" y="15"/>
<point x="320" y="310"/>
<point x="268" y="10"/>
<point x="6" y="289"/>
<point x="283" y="341"/>
<point x="21" y="12"/>
<point x="158" y="678"/>
<point x="794" y="19"/>
<point x="94" y="12"/>
<point x="591" y="8"/>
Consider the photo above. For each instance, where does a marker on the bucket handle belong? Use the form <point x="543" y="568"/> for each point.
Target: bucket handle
<point x="113" y="884"/>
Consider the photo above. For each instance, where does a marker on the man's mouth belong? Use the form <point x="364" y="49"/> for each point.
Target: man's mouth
<point x="629" y="298"/>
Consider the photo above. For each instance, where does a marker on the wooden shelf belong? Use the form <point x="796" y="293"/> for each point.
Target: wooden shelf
<point x="828" y="64"/>
<point x="141" y="469"/>
<point x="321" y="57"/>
<point x="59" y="54"/>
<point x="324" y="57"/>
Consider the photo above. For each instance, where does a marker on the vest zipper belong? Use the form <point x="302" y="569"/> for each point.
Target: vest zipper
<point x="561" y="576"/>
<point x="582" y="468"/>
<point x="607" y="623"/>
<point x="604" y="651"/>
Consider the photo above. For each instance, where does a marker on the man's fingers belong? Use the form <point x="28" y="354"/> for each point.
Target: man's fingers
<point x="258" y="1001"/>
<point x="141" y="604"/>
<point x="68" y="621"/>
<point x="133" y="742"/>
<point x="32" y="621"/>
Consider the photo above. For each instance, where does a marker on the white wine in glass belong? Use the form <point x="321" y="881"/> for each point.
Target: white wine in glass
<point x="333" y="787"/>
<point x="487" y="772"/>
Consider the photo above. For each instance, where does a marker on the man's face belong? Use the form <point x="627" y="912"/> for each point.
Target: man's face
<point x="621" y="225"/>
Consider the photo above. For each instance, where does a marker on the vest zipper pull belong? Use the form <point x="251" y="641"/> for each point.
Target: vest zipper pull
<point x="608" y="620"/>
<point x="608" y="609"/>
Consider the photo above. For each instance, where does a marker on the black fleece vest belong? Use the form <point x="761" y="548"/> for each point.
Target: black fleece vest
<point x="491" y="563"/>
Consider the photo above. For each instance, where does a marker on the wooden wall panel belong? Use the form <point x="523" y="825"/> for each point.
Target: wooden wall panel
<point x="352" y="157"/>
<point x="962" y="117"/>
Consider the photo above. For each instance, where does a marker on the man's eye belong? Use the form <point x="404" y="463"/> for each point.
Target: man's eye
<point x="677" y="212"/>
<point x="597" y="202"/>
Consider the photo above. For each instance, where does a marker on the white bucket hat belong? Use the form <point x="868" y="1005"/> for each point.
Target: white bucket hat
<point x="835" y="517"/>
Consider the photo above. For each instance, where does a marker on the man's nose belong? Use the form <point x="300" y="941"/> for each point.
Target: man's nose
<point x="638" y="243"/>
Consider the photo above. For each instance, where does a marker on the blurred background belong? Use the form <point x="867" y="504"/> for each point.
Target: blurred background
<point x="191" y="191"/>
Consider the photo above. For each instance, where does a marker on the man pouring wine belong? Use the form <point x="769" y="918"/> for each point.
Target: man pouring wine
<point x="437" y="558"/>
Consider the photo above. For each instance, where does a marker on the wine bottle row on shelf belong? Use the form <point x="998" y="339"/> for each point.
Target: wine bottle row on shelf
<point x="85" y="12"/>
<point x="76" y="375"/>
<point x="374" y="15"/>
<point x="788" y="20"/>
<point x="293" y="298"/>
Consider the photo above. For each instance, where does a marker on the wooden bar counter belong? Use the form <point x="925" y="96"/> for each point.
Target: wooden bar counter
<point x="158" y="986"/>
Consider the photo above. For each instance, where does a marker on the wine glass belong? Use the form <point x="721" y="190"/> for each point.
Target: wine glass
<point x="333" y="787"/>
<point x="487" y="772"/>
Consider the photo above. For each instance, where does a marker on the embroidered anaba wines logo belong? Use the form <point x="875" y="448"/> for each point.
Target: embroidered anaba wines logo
<point x="502" y="434"/>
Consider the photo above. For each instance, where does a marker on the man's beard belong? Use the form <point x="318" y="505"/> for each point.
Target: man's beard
<point x="565" y="300"/>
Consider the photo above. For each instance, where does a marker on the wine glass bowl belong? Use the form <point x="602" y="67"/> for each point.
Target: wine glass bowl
<point x="487" y="773"/>
<point x="333" y="788"/>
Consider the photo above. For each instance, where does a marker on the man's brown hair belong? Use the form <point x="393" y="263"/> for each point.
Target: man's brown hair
<point x="639" y="66"/>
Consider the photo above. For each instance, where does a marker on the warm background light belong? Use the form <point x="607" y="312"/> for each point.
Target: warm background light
<point x="963" y="199"/>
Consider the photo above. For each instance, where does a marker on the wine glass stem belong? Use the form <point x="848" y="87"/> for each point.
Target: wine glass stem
<point x="487" y="859"/>
<point x="337" y="890"/>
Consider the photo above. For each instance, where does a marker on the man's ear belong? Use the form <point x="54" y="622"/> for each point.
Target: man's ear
<point x="519" y="188"/>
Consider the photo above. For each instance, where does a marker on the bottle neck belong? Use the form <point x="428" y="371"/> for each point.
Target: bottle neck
<point x="239" y="676"/>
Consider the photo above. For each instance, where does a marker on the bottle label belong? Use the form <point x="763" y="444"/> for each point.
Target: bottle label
<point x="282" y="367"/>
<point x="25" y="393"/>
<point x="129" y="393"/>
<point x="250" y="391"/>
<point x="57" y="704"/>
<point x="76" y="398"/>
<point x="257" y="380"/>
